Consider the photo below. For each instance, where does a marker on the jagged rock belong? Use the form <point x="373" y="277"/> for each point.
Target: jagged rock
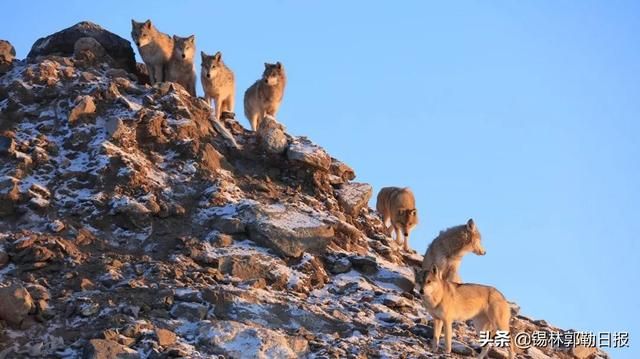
<point x="237" y="340"/>
<point x="15" y="304"/>
<point x="340" y="265"/>
<point x="254" y="266"/>
<point x="304" y="151"/>
<point x="165" y="337"/>
<point x="7" y="145"/>
<point x="287" y="230"/>
<point x="9" y="195"/>
<point x="88" y="51"/>
<point x="63" y="43"/>
<point x="114" y="127"/>
<point x="108" y="349"/>
<point x="56" y="226"/>
<point x="7" y="54"/>
<point x="272" y="135"/>
<point x="189" y="311"/>
<point x="341" y="171"/>
<point x="84" y="106"/>
<point x="354" y="196"/>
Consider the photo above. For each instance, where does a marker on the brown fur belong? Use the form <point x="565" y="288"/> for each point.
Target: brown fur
<point x="265" y="95"/>
<point x="155" y="48"/>
<point x="218" y="83"/>
<point x="398" y="206"/>
<point x="181" y="69"/>
<point x="447" y="250"/>
<point x="447" y="301"/>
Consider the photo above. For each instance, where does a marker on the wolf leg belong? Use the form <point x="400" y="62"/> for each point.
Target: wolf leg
<point x="447" y="336"/>
<point x="437" y="329"/>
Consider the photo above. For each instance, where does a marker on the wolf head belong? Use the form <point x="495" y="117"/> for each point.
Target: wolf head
<point x="211" y="64"/>
<point x="407" y="218"/>
<point x="184" y="47"/>
<point x="273" y="73"/>
<point x="430" y="285"/>
<point x="142" y="32"/>
<point x="474" y="239"/>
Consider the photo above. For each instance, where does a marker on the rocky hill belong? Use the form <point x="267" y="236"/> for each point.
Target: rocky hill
<point x="132" y="225"/>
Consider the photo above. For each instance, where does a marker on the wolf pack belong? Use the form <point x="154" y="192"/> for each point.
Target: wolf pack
<point x="444" y="295"/>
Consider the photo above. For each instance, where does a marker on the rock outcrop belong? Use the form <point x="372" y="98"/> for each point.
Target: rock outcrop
<point x="131" y="225"/>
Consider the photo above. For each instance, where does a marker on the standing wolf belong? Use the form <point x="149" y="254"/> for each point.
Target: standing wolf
<point x="155" y="48"/>
<point x="265" y="95"/>
<point x="447" y="301"/>
<point x="218" y="83"/>
<point x="446" y="251"/>
<point x="181" y="69"/>
<point x="398" y="205"/>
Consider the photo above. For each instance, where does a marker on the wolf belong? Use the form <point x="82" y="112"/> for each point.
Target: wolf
<point x="218" y="83"/>
<point x="181" y="69"/>
<point x="265" y="95"/>
<point x="447" y="301"/>
<point x="446" y="251"/>
<point x="398" y="206"/>
<point x="155" y="48"/>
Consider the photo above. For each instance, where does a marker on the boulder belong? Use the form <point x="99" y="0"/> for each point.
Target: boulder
<point x="84" y="106"/>
<point x="354" y="196"/>
<point x="272" y="135"/>
<point x="89" y="51"/>
<point x="63" y="43"/>
<point x="9" y="195"/>
<point x="288" y="230"/>
<point x="165" y="337"/>
<point x="108" y="349"/>
<point x="15" y="304"/>
<point x="302" y="150"/>
<point x="7" y="55"/>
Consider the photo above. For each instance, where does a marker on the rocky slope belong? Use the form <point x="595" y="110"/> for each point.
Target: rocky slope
<point x="131" y="225"/>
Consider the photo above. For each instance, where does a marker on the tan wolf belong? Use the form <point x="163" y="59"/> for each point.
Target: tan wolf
<point x="181" y="69"/>
<point x="398" y="206"/>
<point x="218" y="83"/>
<point x="447" y="249"/>
<point x="155" y="48"/>
<point x="265" y="95"/>
<point x="447" y="301"/>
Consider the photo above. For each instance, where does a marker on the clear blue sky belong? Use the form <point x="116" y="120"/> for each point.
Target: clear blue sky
<point x="522" y="115"/>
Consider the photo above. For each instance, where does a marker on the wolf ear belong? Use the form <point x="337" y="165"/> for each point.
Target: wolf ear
<point x="279" y="65"/>
<point x="203" y="55"/>
<point x="147" y="24"/>
<point x="435" y="271"/>
<point x="218" y="56"/>
<point x="471" y="225"/>
<point x="175" y="38"/>
<point x="133" y="22"/>
<point x="266" y="65"/>
<point x="191" y="38"/>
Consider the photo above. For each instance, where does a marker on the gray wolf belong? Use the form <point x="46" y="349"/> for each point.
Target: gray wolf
<point x="218" y="83"/>
<point x="447" y="301"/>
<point x="181" y="69"/>
<point x="447" y="249"/>
<point x="398" y="206"/>
<point x="265" y="95"/>
<point x="155" y="48"/>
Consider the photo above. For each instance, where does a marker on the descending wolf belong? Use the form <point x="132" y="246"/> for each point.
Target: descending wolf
<point x="447" y="250"/>
<point x="447" y="301"/>
<point x="265" y="95"/>
<point x="181" y="69"/>
<point x="398" y="206"/>
<point x="155" y="48"/>
<point x="218" y="83"/>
